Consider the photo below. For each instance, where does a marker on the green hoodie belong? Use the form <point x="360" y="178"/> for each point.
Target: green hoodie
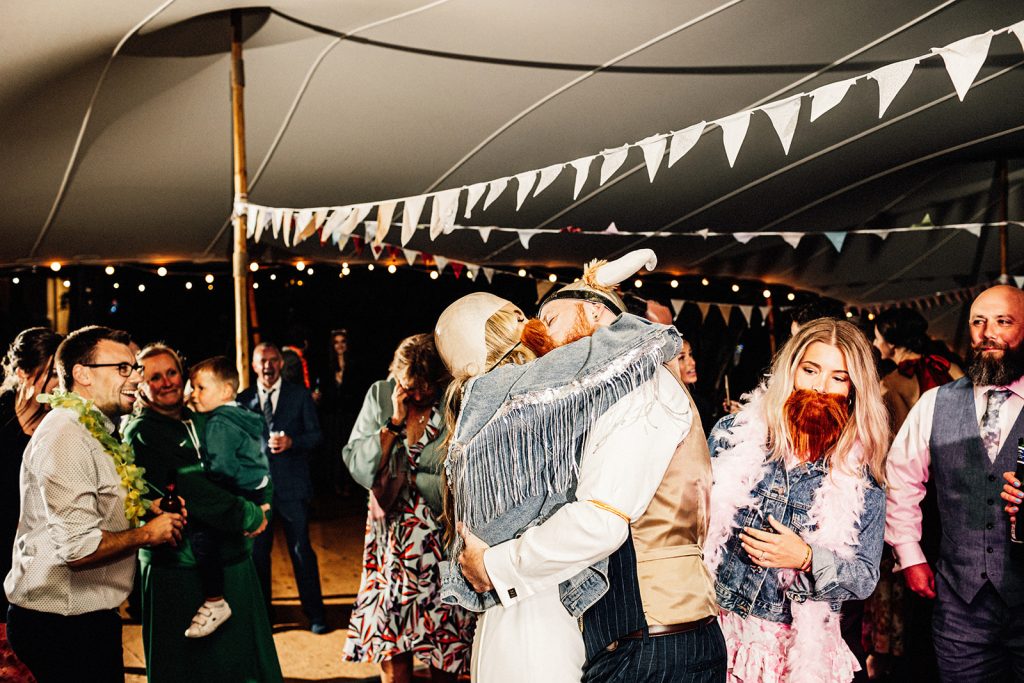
<point x="233" y="453"/>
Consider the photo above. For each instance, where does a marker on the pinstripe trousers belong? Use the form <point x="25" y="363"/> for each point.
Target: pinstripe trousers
<point x="697" y="656"/>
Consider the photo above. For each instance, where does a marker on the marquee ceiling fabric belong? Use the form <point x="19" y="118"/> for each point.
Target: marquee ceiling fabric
<point x="408" y="96"/>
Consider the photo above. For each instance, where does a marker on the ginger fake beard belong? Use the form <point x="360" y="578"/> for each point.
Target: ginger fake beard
<point x="815" y="422"/>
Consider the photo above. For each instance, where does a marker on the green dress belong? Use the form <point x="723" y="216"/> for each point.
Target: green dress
<point x="242" y="650"/>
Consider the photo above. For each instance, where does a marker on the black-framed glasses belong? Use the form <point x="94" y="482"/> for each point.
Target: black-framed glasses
<point x="123" y="369"/>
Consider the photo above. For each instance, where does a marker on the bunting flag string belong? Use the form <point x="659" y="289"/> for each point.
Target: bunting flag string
<point x="443" y="215"/>
<point x="962" y="59"/>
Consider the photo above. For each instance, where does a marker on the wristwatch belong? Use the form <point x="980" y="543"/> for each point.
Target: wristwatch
<point x="393" y="428"/>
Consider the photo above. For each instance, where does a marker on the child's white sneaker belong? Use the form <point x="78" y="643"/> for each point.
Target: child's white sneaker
<point x="208" y="619"/>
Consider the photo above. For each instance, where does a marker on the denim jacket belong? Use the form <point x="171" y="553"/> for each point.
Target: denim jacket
<point x="744" y="588"/>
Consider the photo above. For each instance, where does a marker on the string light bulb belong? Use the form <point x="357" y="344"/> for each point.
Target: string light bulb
<point x="142" y="288"/>
<point x="767" y="294"/>
<point x="392" y="269"/>
<point x="434" y="275"/>
<point x="16" y="280"/>
<point x="735" y="288"/>
<point x="849" y="314"/>
<point x="273" y="276"/>
<point x="55" y="266"/>
<point x="704" y="281"/>
<point x="109" y="270"/>
<point x="871" y="316"/>
<point x="253" y="267"/>
<point x="638" y="283"/>
<point x="345" y="269"/>
<point x="309" y="271"/>
<point x="161" y="271"/>
<point x="552" y="278"/>
<point x="791" y="296"/>
<point x="300" y="266"/>
<point x="369" y="266"/>
<point x="209" y="278"/>
<point x="188" y="285"/>
<point x="255" y="285"/>
<point x="66" y="283"/>
<point x="117" y="285"/>
<point x="674" y="284"/>
<point x="522" y="272"/>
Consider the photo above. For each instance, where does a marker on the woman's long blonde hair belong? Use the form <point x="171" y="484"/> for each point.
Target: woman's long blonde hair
<point x="869" y="421"/>
<point x="503" y="333"/>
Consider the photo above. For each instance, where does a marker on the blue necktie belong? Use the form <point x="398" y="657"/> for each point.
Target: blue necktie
<point x="268" y="408"/>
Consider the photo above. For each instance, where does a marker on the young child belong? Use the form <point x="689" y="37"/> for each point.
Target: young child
<point x="234" y="460"/>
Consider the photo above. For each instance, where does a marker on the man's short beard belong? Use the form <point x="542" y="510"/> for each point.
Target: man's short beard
<point x="582" y="327"/>
<point x="1000" y="372"/>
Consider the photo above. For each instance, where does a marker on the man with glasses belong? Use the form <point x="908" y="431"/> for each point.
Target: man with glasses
<point x="74" y="554"/>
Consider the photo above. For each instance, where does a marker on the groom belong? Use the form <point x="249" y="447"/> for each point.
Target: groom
<point x="643" y="505"/>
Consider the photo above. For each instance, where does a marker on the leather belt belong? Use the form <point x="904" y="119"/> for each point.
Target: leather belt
<point x="658" y="630"/>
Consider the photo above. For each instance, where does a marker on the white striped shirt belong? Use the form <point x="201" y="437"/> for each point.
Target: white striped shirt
<point x="70" y="494"/>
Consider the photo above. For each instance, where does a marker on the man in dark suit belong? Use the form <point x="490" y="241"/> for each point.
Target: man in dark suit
<point x="290" y="432"/>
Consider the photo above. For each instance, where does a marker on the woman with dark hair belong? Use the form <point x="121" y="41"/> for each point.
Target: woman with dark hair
<point x="395" y="450"/>
<point x="896" y="621"/>
<point x="28" y="371"/>
<point x="340" y="395"/>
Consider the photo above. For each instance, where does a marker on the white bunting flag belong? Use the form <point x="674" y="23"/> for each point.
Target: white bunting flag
<point x="654" y="150"/>
<point x="471" y="270"/>
<point x="411" y="217"/>
<point x="525" y="184"/>
<point x="837" y="239"/>
<point x="333" y="224"/>
<point x="287" y="223"/>
<point x="884" y="234"/>
<point x="726" y="310"/>
<point x="974" y="229"/>
<point x="1018" y="30"/>
<point x="734" y="130"/>
<point x="683" y="141"/>
<point x="677" y="306"/>
<point x="784" y="115"/>
<point x="963" y="60"/>
<point x="321" y="216"/>
<point x="276" y="224"/>
<point x="410" y="255"/>
<point x="441" y="263"/>
<point x="828" y="96"/>
<point x="359" y="212"/>
<point x="489" y="274"/>
<point x="304" y="225"/>
<point x="263" y="222"/>
<point x="582" y="167"/>
<point x="473" y="194"/>
<point x="747" y="311"/>
<point x="703" y="232"/>
<point x="252" y="213"/>
<point x="1019" y="279"/>
<point x="442" y="214"/>
<point x="792" y="238"/>
<point x="891" y="79"/>
<point x="547" y="176"/>
<point x="239" y="209"/>
<point x="494" y="190"/>
<point x="341" y="241"/>
<point x="371" y="231"/>
<point x="765" y="310"/>
<point x="611" y="229"/>
<point x="385" y="213"/>
<point x="525" y="236"/>
<point x="612" y="161"/>
<point x="744" y="237"/>
<point x="704" y="307"/>
<point x="485" y="232"/>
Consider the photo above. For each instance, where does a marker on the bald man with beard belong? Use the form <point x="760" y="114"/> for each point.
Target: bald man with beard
<point x="965" y="435"/>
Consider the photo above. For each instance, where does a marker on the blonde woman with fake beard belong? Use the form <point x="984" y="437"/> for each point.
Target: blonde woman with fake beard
<point x="798" y="509"/>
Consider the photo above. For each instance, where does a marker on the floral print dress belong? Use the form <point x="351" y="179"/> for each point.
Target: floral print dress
<point x="399" y="608"/>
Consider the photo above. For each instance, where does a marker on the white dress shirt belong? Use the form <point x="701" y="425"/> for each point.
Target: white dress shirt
<point x="909" y="460"/>
<point x="70" y="493"/>
<point x="263" y="391"/>
<point x="625" y="459"/>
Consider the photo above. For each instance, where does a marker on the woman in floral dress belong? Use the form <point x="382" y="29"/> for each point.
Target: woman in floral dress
<point x="398" y="437"/>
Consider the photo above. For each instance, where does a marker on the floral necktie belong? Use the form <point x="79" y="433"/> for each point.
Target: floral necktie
<point x="990" y="421"/>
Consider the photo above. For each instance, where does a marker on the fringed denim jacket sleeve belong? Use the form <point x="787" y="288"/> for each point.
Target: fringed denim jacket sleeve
<point x="834" y="578"/>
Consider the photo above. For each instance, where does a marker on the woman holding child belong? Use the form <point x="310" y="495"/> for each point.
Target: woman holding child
<point x="168" y="440"/>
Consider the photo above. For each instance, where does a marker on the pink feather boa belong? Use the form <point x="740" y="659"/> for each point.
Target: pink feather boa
<point x="834" y="513"/>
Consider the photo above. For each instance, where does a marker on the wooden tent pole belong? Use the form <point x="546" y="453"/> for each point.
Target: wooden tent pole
<point x="1003" y="189"/>
<point x="239" y="260"/>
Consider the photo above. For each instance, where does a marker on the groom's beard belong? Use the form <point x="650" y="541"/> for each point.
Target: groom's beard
<point x="537" y="338"/>
<point x="815" y="421"/>
<point x="985" y="370"/>
<point x="582" y="327"/>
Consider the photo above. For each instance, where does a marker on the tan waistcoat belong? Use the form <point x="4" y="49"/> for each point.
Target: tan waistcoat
<point x="675" y="586"/>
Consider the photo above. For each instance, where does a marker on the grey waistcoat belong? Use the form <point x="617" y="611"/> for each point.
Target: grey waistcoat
<point x="975" y="531"/>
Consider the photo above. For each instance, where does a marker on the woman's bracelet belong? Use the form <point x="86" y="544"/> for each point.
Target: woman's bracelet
<point x="806" y="564"/>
